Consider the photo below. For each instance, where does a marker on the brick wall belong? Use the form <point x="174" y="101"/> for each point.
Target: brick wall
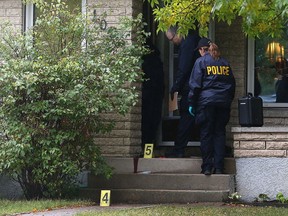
<point x="113" y="9"/>
<point x="11" y="10"/>
<point x="125" y="139"/>
<point x="260" y="141"/>
<point x="232" y="45"/>
<point x="275" y="116"/>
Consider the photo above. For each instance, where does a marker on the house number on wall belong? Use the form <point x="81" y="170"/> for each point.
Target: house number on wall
<point x="102" y="22"/>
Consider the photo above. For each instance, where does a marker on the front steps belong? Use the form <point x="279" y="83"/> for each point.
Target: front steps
<point x="161" y="180"/>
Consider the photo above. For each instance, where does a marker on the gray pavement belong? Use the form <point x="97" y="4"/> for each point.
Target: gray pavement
<point x="74" y="211"/>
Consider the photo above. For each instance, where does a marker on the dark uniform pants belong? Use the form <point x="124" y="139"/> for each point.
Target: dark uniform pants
<point x="212" y="121"/>
<point x="185" y="126"/>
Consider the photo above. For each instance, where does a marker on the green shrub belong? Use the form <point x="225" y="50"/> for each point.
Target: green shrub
<point x="234" y="197"/>
<point x="55" y="82"/>
<point x="280" y="198"/>
<point x="262" y="198"/>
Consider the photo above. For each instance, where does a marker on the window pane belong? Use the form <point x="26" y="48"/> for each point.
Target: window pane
<point x="271" y="81"/>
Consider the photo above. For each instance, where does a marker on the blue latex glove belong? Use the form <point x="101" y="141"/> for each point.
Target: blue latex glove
<point x="191" y="111"/>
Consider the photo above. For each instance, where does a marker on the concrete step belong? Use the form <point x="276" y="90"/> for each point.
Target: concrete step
<point x="162" y="181"/>
<point x="137" y="196"/>
<point x="164" y="165"/>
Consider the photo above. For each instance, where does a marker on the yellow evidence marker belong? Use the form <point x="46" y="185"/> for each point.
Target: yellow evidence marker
<point x="105" y="198"/>
<point x="148" y="150"/>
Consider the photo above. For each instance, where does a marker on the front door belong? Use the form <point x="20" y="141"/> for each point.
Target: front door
<point x="167" y="129"/>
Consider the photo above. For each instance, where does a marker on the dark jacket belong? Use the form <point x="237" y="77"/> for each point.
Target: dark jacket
<point x="212" y="82"/>
<point x="152" y="67"/>
<point x="187" y="56"/>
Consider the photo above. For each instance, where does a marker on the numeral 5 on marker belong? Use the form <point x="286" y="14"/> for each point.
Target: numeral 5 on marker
<point x="148" y="150"/>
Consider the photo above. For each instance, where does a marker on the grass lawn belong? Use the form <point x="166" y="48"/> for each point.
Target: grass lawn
<point x="193" y="210"/>
<point x="196" y="209"/>
<point x="12" y="206"/>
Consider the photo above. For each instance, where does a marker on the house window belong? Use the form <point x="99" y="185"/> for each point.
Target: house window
<point x="31" y="12"/>
<point x="268" y="69"/>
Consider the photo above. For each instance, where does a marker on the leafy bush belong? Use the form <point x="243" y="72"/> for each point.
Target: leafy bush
<point x="280" y="198"/>
<point x="55" y="82"/>
<point x="234" y="197"/>
<point x="262" y="198"/>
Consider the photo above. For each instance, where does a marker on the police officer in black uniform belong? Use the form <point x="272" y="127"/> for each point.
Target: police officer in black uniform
<point x="187" y="56"/>
<point x="212" y="89"/>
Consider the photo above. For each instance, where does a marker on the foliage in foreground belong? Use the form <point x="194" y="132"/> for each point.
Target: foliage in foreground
<point x="56" y="81"/>
<point x="266" y="17"/>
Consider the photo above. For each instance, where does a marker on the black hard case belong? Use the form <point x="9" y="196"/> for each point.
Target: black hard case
<point x="250" y="111"/>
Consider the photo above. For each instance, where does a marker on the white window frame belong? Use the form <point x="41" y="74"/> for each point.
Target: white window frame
<point x="250" y="73"/>
<point x="29" y="14"/>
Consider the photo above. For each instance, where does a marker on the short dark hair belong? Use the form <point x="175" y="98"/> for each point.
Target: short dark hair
<point x="173" y="29"/>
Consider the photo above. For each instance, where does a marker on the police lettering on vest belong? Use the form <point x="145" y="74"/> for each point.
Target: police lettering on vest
<point x="218" y="70"/>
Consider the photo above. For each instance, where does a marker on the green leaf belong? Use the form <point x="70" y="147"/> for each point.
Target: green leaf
<point x="55" y="93"/>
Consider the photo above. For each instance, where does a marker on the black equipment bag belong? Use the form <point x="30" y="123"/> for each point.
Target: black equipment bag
<point x="250" y="111"/>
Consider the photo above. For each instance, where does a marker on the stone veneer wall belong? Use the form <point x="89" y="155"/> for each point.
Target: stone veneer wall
<point x="261" y="161"/>
<point x="232" y="44"/>
<point x="11" y="10"/>
<point x="260" y="142"/>
<point x="125" y="139"/>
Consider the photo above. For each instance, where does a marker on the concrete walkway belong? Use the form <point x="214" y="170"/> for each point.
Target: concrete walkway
<point x="74" y="211"/>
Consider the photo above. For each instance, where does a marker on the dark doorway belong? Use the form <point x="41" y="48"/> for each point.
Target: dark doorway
<point x="169" y="54"/>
